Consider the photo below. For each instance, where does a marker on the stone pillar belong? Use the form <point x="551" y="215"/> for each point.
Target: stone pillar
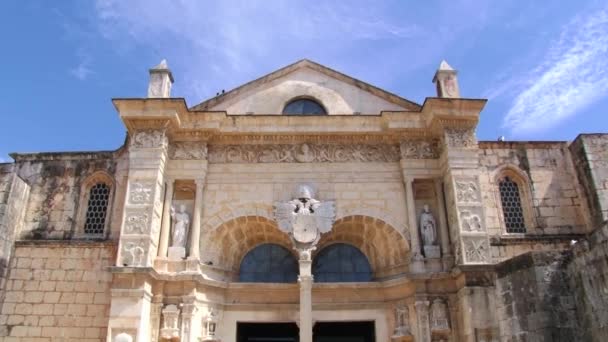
<point x="165" y="227"/>
<point x="305" y="280"/>
<point x="443" y="225"/>
<point x="195" y="236"/>
<point x="422" y="314"/>
<point x="412" y="219"/>
<point x="140" y="232"/>
<point x="188" y="314"/>
<point x="161" y="80"/>
<point x="463" y="194"/>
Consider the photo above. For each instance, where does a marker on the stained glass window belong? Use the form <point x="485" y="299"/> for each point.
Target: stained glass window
<point x="341" y="263"/>
<point x="511" y="206"/>
<point x="269" y="263"/>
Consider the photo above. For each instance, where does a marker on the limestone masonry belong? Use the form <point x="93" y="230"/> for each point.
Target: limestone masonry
<point x="306" y="206"/>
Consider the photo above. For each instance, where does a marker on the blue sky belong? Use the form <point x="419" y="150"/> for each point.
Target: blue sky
<point x="543" y="65"/>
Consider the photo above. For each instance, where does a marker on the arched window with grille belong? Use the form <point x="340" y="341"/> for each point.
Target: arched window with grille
<point x="95" y="204"/>
<point x="97" y="209"/>
<point x="514" y="201"/>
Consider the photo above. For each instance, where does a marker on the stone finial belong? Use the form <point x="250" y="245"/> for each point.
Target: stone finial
<point x="161" y="80"/>
<point x="446" y="81"/>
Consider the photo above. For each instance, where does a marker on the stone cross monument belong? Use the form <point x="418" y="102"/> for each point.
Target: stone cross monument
<point x="304" y="219"/>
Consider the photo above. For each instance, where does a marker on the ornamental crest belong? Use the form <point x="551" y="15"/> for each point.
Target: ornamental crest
<point x="305" y="218"/>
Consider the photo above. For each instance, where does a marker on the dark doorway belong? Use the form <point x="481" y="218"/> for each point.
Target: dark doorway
<point x="267" y="332"/>
<point x="344" y="332"/>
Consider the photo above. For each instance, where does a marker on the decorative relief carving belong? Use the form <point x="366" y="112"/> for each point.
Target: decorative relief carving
<point x="467" y="191"/>
<point x="136" y="222"/>
<point x="188" y="151"/>
<point x="419" y="149"/>
<point x="460" y="137"/>
<point x="134" y="253"/>
<point x="439" y="316"/>
<point x="422" y="311"/>
<point x="471" y="220"/>
<point x="303" y="153"/>
<point x="170" y="328"/>
<point x="141" y="192"/>
<point x="476" y="250"/>
<point x="402" y="320"/>
<point x="149" y="138"/>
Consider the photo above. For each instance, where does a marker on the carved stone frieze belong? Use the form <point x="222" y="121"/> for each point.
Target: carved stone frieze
<point x="149" y="138"/>
<point x="141" y="192"/>
<point x="419" y="149"/>
<point x="460" y="137"/>
<point x="467" y="191"/>
<point x="189" y="150"/>
<point x="136" y="222"/>
<point x="303" y="153"/>
<point x="133" y="253"/>
<point x="476" y="250"/>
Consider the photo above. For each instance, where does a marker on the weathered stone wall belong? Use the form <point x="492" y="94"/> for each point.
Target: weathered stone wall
<point x="14" y="193"/>
<point x="57" y="291"/>
<point x="56" y="182"/>
<point x="535" y="302"/>
<point x="590" y="155"/>
<point x="588" y="276"/>
<point x="554" y="198"/>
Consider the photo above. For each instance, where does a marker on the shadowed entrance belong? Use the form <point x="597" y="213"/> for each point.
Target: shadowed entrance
<point x="344" y="332"/>
<point x="267" y="332"/>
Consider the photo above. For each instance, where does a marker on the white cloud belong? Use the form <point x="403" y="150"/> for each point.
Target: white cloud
<point x="572" y="76"/>
<point x="82" y="71"/>
<point x="221" y="44"/>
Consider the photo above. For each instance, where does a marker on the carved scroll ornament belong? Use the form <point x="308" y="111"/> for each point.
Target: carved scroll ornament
<point x="188" y="151"/>
<point x="419" y="149"/>
<point x="461" y="137"/>
<point x="149" y="138"/>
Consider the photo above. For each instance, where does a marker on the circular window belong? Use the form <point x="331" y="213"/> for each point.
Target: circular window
<point x="341" y="263"/>
<point x="304" y="107"/>
<point x="269" y="263"/>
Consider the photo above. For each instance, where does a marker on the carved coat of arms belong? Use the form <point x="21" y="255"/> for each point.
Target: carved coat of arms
<point x="305" y="218"/>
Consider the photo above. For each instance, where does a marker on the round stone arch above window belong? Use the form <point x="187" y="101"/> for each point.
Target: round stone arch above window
<point x="304" y="106"/>
<point x="514" y="199"/>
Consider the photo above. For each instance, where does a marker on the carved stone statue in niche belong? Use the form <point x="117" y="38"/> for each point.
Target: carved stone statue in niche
<point x="439" y="316"/>
<point x="428" y="227"/>
<point x="402" y="321"/>
<point x="428" y="232"/>
<point x="179" y="237"/>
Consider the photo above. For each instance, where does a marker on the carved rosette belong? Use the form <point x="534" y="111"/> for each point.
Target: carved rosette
<point x="149" y="138"/>
<point x="303" y="153"/>
<point x="460" y="137"/>
<point x="419" y="149"/>
<point x="188" y="151"/>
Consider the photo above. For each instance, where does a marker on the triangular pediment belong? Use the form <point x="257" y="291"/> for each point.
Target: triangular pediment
<point x="338" y="93"/>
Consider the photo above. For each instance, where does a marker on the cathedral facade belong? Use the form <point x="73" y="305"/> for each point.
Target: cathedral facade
<point x="306" y="206"/>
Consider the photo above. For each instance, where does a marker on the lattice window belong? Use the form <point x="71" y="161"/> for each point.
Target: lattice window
<point x="510" y="198"/>
<point x="97" y="209"/>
